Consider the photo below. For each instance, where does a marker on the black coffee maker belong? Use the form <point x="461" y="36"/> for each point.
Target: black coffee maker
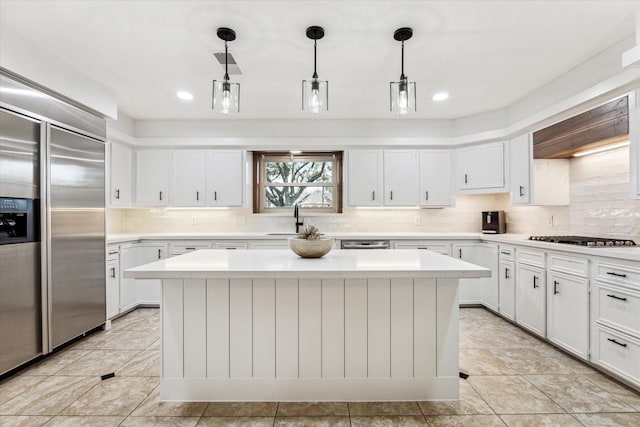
<point x="493" y="222"/>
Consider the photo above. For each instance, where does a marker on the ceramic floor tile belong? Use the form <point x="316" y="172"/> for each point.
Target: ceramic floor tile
<point x="312" y="409"/>
<point x="236" y="422"/>
<point x="546" y="420"/>
<point x="622" y="393"/>
<point x="577" y="394"/>
<point x="49" y="396"/>
<point x="389" y="421"/>
<point x="152" y="406"/>
<point x="22" y="420"/>
<point x="154" y="345"/>
<point x="119" y="340"/>
<point x="465" y="420"/>
<point x="54" y="363"/>
<point x="609" y="420"/>
<point x="115" y="396"/>
<point x="509" y="361"/>
<point x="13" y="386"/>
<point x="98" y="362"/>
<point x="160" y="422"/>
<point x="241" y="409"/>
<point x="384" y="408"/>
<point x="312" y="422"/>
<point x="144" y="364"/>
<point x="512" y="395"/>
<point x="73" y="421"/>
<point x="470" y="403"/>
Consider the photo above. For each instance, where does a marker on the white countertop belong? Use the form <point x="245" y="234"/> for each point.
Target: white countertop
<point x="283" y="263"/>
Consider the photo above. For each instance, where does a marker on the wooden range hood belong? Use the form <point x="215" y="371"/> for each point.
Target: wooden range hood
<point x="606" y="124"/>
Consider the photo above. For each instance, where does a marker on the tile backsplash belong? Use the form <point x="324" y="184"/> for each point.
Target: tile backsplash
<point x="599" y="197"/>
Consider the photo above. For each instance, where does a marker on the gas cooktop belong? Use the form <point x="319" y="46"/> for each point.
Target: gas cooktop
<point x="584" y="241"/>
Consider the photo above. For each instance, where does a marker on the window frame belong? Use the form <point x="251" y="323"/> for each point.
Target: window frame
<point x="260" y="158"/>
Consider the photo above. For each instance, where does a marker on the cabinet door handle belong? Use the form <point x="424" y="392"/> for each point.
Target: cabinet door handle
<point x="161" y="195"/>
<point x="159" y="253"/>
<point x="197" y="196"/>
<point x="422" y="247"/>
<point x="118" y="194"/>
<point x="616" y="342"/>
<point x="555" y="287"/>
<point x="506" y="273"/>
<point x="113" y="272"/>
<point x="215" y="196"/>
<point x="535" y="282"/>
<point x="466" y="178"/>
<point x="373" y="195"/>
<point x="459" y="253"/>
<point x="616" y="297"/>
<point x="521" y="191"/>
<point x="190" y="249"/>
<point x="616" y="274"/>
<point x="426" y="195"/>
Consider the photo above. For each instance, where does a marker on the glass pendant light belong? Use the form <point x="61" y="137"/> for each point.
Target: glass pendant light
<point x="226" y="94"/>
<point x="315" y="93"/>
<point x="403" y="93"/>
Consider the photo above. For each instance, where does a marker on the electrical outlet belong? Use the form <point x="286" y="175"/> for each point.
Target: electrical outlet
<point x="417" y="220"/>
<point x="550" y="221"/>
<point x="193" y="221"/>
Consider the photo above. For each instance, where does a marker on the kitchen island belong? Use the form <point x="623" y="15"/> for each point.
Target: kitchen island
<point x="266" y="325"/>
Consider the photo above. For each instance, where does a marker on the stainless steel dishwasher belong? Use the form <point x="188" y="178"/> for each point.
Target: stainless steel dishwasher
<point x="365" y="244"/>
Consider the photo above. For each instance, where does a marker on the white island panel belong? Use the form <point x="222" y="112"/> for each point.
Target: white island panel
<point x="333" y="328"/>
<point x="355" y="328"/>
<point x="287" y="328"/>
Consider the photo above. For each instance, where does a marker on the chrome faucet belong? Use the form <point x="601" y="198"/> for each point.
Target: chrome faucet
<point x="296" y="215"/>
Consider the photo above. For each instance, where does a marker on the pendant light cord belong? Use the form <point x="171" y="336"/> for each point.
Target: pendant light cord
<point x="402" y="76"/>
<point x="226" y="61"/>
<point x="315" y="44"/>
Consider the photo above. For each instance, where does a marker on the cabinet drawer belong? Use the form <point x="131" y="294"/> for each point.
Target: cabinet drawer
<point x="441" y="248"/>
<point x="535" y="258"/>
<point x="617" y="352"/>
<point x="184" y="247"/>
<point x="506" y="252"/>
<point x="231" y="245"/>
<point x="617" y="307"/>
<point x="113" y="252"/>
<point x="269" y="244"/>
<point x="569" y="265"/>
<point x="620" y="274"/>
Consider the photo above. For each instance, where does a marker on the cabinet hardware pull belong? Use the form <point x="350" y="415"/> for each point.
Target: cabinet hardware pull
<point x="616" y="297"/>
<point x="422" y="247"/>
<point x="505" y="253"/>
<point x="215" y="196"/>
<point x="535" y="282"/>
<point x="159" y="253"/>
<point x="555" y="287"/>
<point x="426" y="195"/>
<point x="616" y="274"/>
<point x="521" y="191"/>
<point x="197" y="196"/>
<point x="616" y="342"/>
<point x="113" y="253"/>
<point x="459" y="253"/>
<point x="113" y="272"/>
<point x="506" y="273"/>
<point x="191" y="249"/>
<point x="118" y="194"/>
<point x="373" y="195"/>
<point x="466" y="181"/>
<point x="161" y="195"/>
<point x="391" y="195"/>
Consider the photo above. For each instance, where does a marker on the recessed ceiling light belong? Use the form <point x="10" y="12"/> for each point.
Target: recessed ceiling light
<point x="440" y="96"/>
<point x="184" y="95"/>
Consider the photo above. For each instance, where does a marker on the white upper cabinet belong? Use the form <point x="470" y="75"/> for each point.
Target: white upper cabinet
<point x="188" y="178"/>
<point x="153" y="177"/>
<point x="481" y="168"/>
<point x="365" y="178"/>
<point x="634" y="143"/>
<point x="542" y="182"/>
<point x="400" y="177"/>
<point x="224" y="178"/>
<point x="435" y="187"/>
<point x="121" y="177"/>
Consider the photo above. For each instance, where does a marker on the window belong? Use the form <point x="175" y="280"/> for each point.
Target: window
<point x="313" y="180"/>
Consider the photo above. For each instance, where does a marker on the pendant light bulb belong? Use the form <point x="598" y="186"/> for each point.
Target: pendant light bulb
<point x="315" y="93"/>
<point x="402" y="92"/>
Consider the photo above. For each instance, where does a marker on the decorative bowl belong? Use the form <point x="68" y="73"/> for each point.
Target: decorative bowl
<point x="311" y="248"/>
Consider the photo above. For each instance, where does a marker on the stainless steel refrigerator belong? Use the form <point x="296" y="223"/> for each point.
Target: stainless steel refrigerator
<point x="52" y="159"/>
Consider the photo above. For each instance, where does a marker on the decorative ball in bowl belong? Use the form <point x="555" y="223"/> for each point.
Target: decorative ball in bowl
<point x="308" y="244"/>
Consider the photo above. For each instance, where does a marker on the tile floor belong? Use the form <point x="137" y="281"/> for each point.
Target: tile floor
<point x="515" y="380"/>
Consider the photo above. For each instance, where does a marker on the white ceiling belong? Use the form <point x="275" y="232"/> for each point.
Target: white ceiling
<point x="486" y="54"/>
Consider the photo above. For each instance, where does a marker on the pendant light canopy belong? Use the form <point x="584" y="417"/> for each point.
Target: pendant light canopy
<point x="315" y="93"/>
<point x="226" y="94"/>
<point x="403" y="92"/>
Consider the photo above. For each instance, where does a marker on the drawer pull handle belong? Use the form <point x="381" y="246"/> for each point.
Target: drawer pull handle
<point x="423" y="247"/>
<point x="616" y="297"/>
<point x="616" y="342"/>
<point x="505" y="253"/>
<point x="616" y="274"/>
<point x="190" y="249"/>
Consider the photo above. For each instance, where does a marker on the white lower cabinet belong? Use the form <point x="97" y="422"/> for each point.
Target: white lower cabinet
<point x="134" y="292"/>
<point x="479" y="291"/>
<point x="530" y="298"/>
<point x="568" y="312"/>
<point x="506" y="280"/>
<point x="113" y="282"/>
<point x="617" y="352"/>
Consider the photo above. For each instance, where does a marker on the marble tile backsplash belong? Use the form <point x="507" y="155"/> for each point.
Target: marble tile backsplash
<point x="599" y="196"/>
